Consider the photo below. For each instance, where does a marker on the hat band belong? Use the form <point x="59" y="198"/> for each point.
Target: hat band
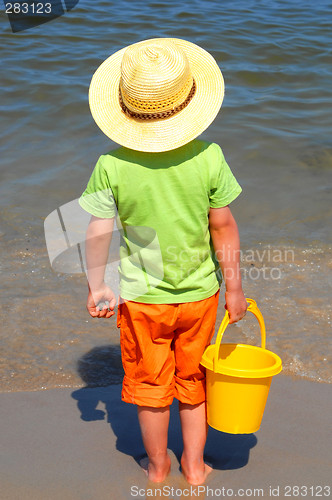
<point x="158" y="115"/>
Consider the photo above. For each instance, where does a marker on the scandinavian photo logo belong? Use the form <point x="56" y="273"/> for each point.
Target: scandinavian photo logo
<point x="134" y="250"/>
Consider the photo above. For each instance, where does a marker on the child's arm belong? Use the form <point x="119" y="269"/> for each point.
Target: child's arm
<point x="98" y="240"/>
<point x="226" y="242"/>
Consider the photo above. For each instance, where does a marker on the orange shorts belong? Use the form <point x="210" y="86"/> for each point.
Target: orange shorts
<point x="161" y="348"/>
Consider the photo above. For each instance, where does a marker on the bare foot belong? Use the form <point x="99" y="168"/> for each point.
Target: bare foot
<point x="155" y="473"/>
<point x="195" y="474"/>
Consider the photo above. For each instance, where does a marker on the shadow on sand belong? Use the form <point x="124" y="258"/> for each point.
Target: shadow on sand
<point x="102" y="372"/>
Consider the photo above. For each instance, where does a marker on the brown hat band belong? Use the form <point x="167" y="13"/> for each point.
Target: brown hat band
<point x="158" y="115"/>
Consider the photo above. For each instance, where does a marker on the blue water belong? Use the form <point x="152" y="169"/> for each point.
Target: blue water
<point x="274" y="128"/>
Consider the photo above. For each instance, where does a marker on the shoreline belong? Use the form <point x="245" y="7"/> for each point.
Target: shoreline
<point x="285" y="373"/>
<point x="85" y="443"/>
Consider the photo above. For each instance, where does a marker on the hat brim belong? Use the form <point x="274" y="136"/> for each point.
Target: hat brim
<point x="157" y="135"/>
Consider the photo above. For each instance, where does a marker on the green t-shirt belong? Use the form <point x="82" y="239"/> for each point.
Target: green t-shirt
<point x="161" y="202"/>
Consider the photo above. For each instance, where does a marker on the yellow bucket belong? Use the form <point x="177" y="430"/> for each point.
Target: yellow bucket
<point x="238" y="378"/>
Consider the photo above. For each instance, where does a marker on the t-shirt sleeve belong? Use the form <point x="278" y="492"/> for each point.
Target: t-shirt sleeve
<point x="224" y="188"/>
<point x="98" y="198"/>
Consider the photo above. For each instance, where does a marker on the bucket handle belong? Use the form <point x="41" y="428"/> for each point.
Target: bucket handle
<point x="252" y="307"/>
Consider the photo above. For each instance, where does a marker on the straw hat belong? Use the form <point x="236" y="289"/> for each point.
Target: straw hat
<point x="156" y="95"/>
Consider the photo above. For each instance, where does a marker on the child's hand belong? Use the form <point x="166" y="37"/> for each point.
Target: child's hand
<point x="236" y="305"/>
<point x="102" y="294"/>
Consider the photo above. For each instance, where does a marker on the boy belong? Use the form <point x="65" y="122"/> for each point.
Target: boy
<point x="154" y="98"/>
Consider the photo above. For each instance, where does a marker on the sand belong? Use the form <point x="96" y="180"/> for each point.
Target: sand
<point x="85" y="444"/>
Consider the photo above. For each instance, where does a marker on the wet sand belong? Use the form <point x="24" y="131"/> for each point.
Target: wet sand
<point x="85" y="444"/>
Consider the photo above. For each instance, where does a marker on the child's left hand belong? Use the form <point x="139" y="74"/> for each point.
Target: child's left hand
<point x="236" y="305"/>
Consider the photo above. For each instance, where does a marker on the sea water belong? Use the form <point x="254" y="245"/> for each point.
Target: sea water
<point x="275" y="131"/>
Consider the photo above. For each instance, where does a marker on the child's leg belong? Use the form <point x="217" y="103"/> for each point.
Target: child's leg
<point x="194" y="433"/>
<point x="192" y="336"/>
<point x="147" y="331"/>
<point x="154" y="428"/>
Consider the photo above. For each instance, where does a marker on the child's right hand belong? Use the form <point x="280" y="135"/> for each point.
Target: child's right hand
<point x="102" y="294"/>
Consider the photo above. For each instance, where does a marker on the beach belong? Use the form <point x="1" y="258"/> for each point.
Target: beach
<point x="85" y="444"/>
<point x="274" y="130"/>
<point x="64" y="431"/>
